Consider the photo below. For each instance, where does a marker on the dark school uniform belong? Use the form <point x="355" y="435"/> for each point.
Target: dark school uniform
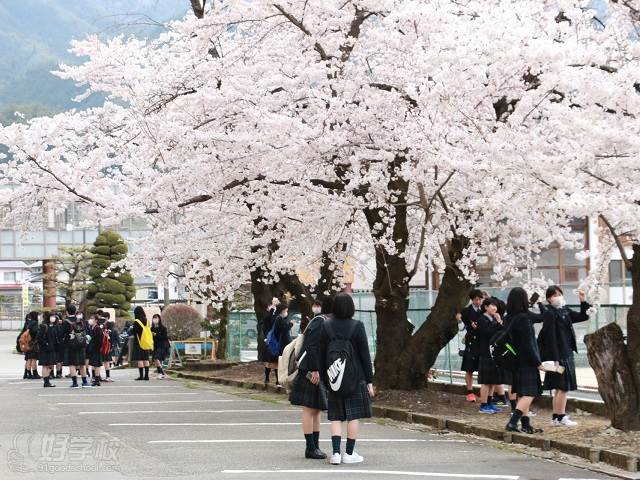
<point x="32" y="326"/>
<point x="160" y="342"/>
<point x="303" y="392"/>
<point x="526" y="378"/>
<point x="488" y="373"/>
<point x="93" y="349"/>
<point x="283" y="332"/>
<point x="557" y="342"/>
<point x="358" y="405"/>
<point x="137" y="353"/>
<point x="470" y="358"/>
<point x="72" y="356"/>
<point x="47" y="344"/>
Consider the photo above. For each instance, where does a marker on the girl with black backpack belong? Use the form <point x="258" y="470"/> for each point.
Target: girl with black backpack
<point x="307" y="390"/>
<point x="348" y="374"/>
<point x="557" y="342"/>
<point x="48" y="340"/>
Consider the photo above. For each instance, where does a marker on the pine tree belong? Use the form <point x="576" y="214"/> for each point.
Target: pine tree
<point x="111" y="287"/>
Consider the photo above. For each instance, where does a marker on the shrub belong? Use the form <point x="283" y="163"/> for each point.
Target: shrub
<point x="182" y="321"/>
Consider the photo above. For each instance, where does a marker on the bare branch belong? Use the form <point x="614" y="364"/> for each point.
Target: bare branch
<point x="618" y="240"/>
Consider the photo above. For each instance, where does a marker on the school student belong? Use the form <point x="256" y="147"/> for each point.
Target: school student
<point x="526" y="378"/>
<point x="93" y="348"/>
<point x="74" y="335"/>
<point x="489" y="375"/>
<point x="470" y="360"/>
<point x="349" y="379"/>
<point x="138" y="354"/>
<point x="59" y="347"/>
<point x="161" y="344"/>
<point x="308" y="391"/>
<point x="48" y="340"/>
<point x="281" y="328"/>
<point x="31" y="352"/>
<point x="106" y="357"/>
<point x="557" y="342"/>
<point x="265" y="356"/>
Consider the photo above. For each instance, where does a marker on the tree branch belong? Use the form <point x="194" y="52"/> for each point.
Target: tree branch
<point x="298" y="23"/>
<point x="618" y="240"/>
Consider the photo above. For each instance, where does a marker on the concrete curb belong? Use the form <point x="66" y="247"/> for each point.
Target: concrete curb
<point x="622" y="460"/>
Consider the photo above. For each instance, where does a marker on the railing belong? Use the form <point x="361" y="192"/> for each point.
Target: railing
<point x="12" y="314"/>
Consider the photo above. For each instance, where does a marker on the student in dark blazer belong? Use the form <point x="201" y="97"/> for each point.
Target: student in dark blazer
<point x="358" y="405"/>
<point x="470" y="359"/>
<point x="93" y="348"/>
<point x="308" y="391"/>
<point x="31" y="357"/>
<point x="48" y="340"/>
<point x="526" y="378"/>
<point x="557" y="342"/>
<point x="489" y="375"/>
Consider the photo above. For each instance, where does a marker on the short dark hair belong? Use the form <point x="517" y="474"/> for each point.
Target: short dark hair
<point x="552" y="290"/>
<point x="71" y="309"/>
<point x="317" y="302"/>
<point x="475" y="293"/>
<point x="281" y="307"/>
<point x="327" y="305"/>
<point x="489" y="301"/>
<point x="343" y="306"/>
<point x="517" y="301"/>
<point x="107" y="315"/>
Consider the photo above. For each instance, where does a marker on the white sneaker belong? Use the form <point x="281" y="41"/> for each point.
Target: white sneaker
<point x="353" y="458"/>
<point x="335" y="459"/>
<point x="567" y="422"/>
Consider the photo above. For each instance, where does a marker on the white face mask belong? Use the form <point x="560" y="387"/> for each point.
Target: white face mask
<point x="155" y="321"/>
<point x="92" y="322"/>
<point x="316" y="310"/>
<point x="558" y="301"/>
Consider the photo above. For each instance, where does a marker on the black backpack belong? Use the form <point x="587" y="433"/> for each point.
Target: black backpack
<point x="77" y="335"/>
<point x="342" y="363"/>
<point x="503" y="351"/>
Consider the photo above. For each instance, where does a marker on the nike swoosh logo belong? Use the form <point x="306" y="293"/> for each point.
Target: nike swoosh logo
<point x="337" y="382"/>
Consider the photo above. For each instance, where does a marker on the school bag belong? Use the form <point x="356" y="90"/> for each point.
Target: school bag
<point x="146" y="339"/>
<point x="25" y="342"/>
<point x="341" y="361"/>
<point x="290" y="360"/>
<point x="503" y="351"/>
<point x="105" y="345"/>
<point x="272" y="340"/>
<point x="77" y="336"/>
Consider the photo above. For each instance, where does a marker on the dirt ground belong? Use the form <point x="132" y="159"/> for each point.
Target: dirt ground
<point x="592" y="430"/>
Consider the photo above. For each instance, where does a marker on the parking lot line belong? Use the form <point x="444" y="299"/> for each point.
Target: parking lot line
<point x="301" y="440"/>
<point x="192" y="411"/>
<point x="241" y="424"/>
<point x="112" y="394"/>
<point x="329" y="471"/>
<point x="152" y="402"/>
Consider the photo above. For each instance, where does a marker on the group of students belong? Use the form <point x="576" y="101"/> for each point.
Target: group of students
<point x="87" y="347"/>
<point x="334" y="372"/>
<point x="486" y="317"/>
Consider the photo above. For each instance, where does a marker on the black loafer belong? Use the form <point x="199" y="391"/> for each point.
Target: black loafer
<point x="315" y="454"/>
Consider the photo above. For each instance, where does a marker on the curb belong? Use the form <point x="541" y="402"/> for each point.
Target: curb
<point x="622" y="460"/>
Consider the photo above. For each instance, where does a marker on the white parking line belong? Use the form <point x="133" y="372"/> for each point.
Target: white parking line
<point x="109" y="386"/>
<point x="243" y="424"/>
<point x="112" y="394"/>
<point x="297" y="440"/>
<point x="152" y="402"/>
<point x="350" y="471"/>
<point x="189" y="411"/>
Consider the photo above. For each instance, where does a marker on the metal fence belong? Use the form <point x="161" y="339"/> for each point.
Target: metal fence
<point x="12" y="314"/>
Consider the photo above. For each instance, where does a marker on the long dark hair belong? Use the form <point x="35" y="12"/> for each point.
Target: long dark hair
<point x="517" y="301"/>
<point x="138" y="314"/>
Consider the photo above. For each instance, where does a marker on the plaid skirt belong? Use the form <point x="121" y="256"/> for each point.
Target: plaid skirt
<point x="137" y="354"/>
<point x="470" y="363"/>
<point x="562" y="381"/>
<point x="355" y="407"/>
<point x="161" y="353"/>
<point x="489" y="373"/>
<point x="74" y="357"/>
<point x="306" y="394"/>
<point x="46" y="358"/>
<point x="526" y="382"/>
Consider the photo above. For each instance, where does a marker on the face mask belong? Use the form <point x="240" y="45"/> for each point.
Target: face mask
<point x="52" y="319"/>
<point x="92" y="322"/>
<point x="558" y="302"/>
<point x="155" y="321"/>
<point x="316" y="310"/>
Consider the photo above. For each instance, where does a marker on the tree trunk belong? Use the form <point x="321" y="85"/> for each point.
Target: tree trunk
<point x="610" y="361"/>
<point x="436" y="332"/>
<point x="222" y="331"/>
<point x="303" y="295"/>
<point x="633" y="318"/>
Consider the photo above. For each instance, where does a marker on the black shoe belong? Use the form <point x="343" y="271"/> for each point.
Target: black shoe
<point x="530" y="430"/>
<point x="26" y="376"/>
<point x="36" y="376"/>
<point x="146" y="378"/>
<point x="138" y="379"/>
<point x="48" y="385"/>
<point x="511" y="428"/>
<point x="316" y="454"/>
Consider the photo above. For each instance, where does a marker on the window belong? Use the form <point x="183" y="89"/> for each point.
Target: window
<point x="152" y="293"/>
<point x="10" y="276"/>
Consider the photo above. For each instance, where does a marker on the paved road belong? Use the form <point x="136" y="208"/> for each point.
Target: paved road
<point x="175" y="429"/>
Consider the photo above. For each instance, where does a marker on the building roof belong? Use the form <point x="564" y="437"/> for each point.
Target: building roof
<point x="12" y="264"/>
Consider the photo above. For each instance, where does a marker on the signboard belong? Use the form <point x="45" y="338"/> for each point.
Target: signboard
<point x="193" y="349"/>
<point x="25" y="295"/>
